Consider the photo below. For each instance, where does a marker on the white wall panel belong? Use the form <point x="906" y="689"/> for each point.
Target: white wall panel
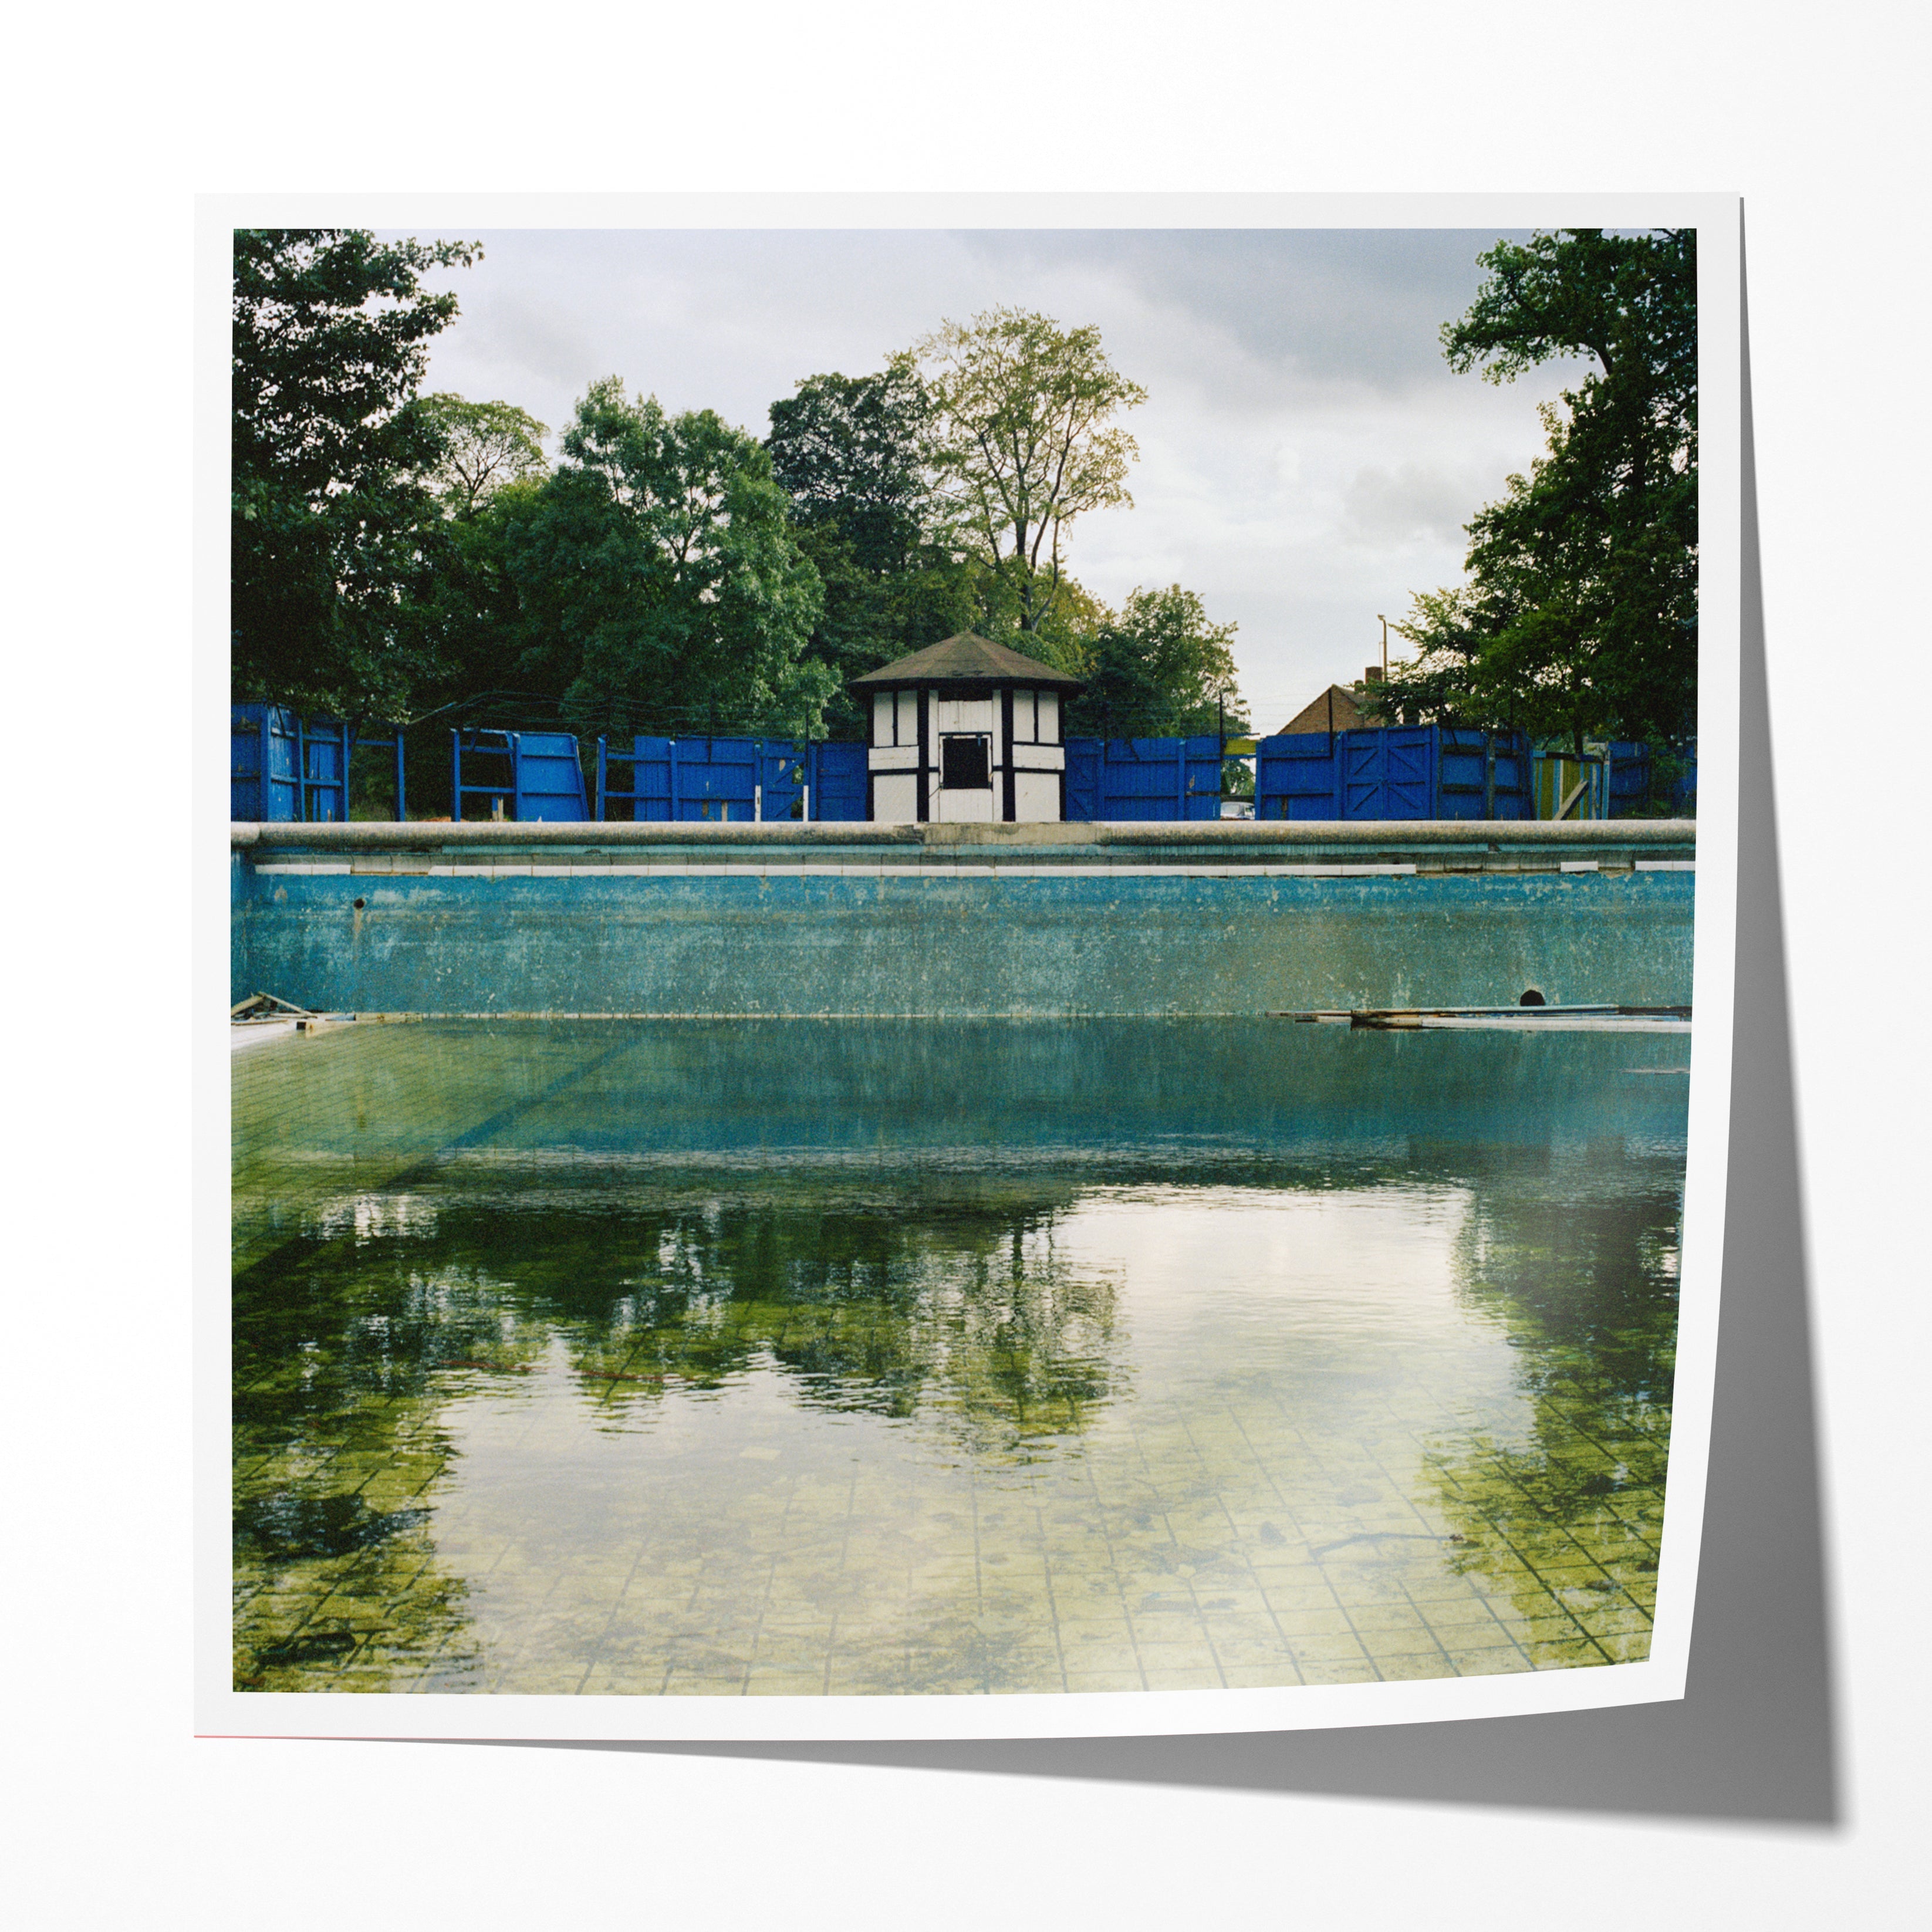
<point x="964" y="808"/>
<point x="1036" y="797"/>
<point x="894" y="798"/>
<point x="966" y="714"/>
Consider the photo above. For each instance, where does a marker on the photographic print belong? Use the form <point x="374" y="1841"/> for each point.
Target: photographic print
<point x="964" y="941"/>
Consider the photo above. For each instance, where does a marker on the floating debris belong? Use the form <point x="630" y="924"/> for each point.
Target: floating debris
<point x="1537" y="1019"/>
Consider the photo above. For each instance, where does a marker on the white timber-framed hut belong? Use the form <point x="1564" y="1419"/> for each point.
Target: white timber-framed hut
<point x="966" y="732"/>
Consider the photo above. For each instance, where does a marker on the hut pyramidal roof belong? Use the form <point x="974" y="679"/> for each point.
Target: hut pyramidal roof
<point x="968" y="658"/>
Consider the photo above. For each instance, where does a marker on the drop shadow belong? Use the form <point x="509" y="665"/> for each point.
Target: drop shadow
<point x="1755" y="1738"/>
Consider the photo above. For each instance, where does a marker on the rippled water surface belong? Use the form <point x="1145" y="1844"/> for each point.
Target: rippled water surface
<point x="815" y="1357"/>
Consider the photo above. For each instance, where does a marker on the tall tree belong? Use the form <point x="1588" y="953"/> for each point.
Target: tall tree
<point x="849" y="452"/>
<point x="1579" y="614"/>
<point x="1023" y="442"/>
<point x="659" y="583"/>
<point x="485" y="446"/>
<point x="333" y="528"/>
<point x="1160" y="668"/>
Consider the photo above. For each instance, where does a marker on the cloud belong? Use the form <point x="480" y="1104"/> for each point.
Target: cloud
<point x="1416" y="499"/>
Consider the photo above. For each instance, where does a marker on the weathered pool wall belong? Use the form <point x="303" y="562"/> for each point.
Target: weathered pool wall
<point x="1207" y="919"/>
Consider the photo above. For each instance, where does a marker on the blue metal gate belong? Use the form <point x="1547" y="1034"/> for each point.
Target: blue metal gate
<point x="264" y="759"/>
<point x="283" y="769"/>
<point x="1294" y="777"/>
<point x="530" y="776"/>
<point x="732" y="780"/>
<point x="1143" y="778"/>
<point x="1408" y="772"/>
<point x="838" y="784"/>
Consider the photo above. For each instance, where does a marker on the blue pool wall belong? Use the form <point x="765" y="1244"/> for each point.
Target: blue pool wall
<point x="1214" y="919"/>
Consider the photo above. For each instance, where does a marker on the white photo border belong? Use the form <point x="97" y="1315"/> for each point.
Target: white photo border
<point x="221" y="1711"/>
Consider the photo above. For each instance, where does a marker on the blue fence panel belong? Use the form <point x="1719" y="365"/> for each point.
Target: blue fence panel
<point x="1202" y="758"/>
<point x="783" y="773"/>
<point x="1129" y="779"/>
<point x="648" y="794"/>
<point x="1142" y="779"/>
<point x="838" y="784"/>
<point x="1630" y="774"/>
<point x="283" y="769"/>
<point x="714" y="778"/>
<point x="536" y="775"/>
<point x="1409" y="772"/>
<point x="1634" y="781"/>
<point x="1362" y="776"/>
<point x="730" y="780"/>
<point x="1464" y="774"/>
<point x="1084" y="771"/>
<point x="1294" y="776"/>
<point x="550" y="779"/>
<point x="324" y="765"/>
<point x="264" y="762"/>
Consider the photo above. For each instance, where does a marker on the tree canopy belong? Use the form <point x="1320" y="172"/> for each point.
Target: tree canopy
<point x="485" y="446"/>
<point x="333" y="524"/>
<point x="396" y="552"/>
<point x="1159" y="668"/>
<point x="1578" y="615"/>
<point x="849" y="450"/>
<point x="659" y="583"/>
<point x="1022" y="442"/>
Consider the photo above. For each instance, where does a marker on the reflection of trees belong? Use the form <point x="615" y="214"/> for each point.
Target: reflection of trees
<point x="956" y="1308"/>
<point x="339" y="1351"/>
<point x="1585" y="1286"/>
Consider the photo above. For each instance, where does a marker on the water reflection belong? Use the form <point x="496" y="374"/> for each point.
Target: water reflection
<point x="1586" y="1289"/>
<point x="873" y="1358"/>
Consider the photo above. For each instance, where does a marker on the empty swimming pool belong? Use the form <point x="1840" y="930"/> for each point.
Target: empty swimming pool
<point x="870" y="1357"/>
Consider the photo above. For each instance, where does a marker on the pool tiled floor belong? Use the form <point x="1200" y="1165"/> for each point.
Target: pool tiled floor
<point x="529" y="1401"/>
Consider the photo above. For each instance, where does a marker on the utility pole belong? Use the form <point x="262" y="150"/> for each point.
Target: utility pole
<point x="1384" y="625"/>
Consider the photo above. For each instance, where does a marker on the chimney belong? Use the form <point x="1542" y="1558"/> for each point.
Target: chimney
<point x="1373" y="674"/>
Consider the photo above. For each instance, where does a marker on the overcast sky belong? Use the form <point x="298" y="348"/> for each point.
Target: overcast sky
<point x="1306" y="459"/>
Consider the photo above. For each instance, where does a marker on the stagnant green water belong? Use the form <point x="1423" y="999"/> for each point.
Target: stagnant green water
<point x="815" y="1357"/>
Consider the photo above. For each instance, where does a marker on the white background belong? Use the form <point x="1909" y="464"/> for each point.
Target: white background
<point x="120" y="1816"/>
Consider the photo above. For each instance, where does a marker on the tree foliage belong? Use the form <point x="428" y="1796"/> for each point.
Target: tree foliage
<point x="849" y="452"/>
<point x="1159" y="668"/>
<point x="486" y="446"/>
<point x="658" y="580"/>
<point x="397" y="552"/>
<point x="1578" y="615"/>
<point x="1022" y="442"/>
<point x="333" y="525"/>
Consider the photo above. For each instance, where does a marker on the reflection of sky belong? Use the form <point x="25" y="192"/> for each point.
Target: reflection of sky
<point x="1353" y="1259"/>
<point x="1307" y="460"/>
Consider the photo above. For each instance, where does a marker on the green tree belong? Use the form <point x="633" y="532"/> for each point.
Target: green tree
<point x="850" y="452"/>
<point x="1022" y="442"/>
<point x="1578" y="616"/>
<point x="659" y="581"/>
<point x="486" y="446"/>
<point x="1158" y="669"/>
<point x="334" y="529"/>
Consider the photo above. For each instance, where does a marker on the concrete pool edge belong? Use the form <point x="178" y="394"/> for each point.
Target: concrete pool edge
<point x="957" y="922"/>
